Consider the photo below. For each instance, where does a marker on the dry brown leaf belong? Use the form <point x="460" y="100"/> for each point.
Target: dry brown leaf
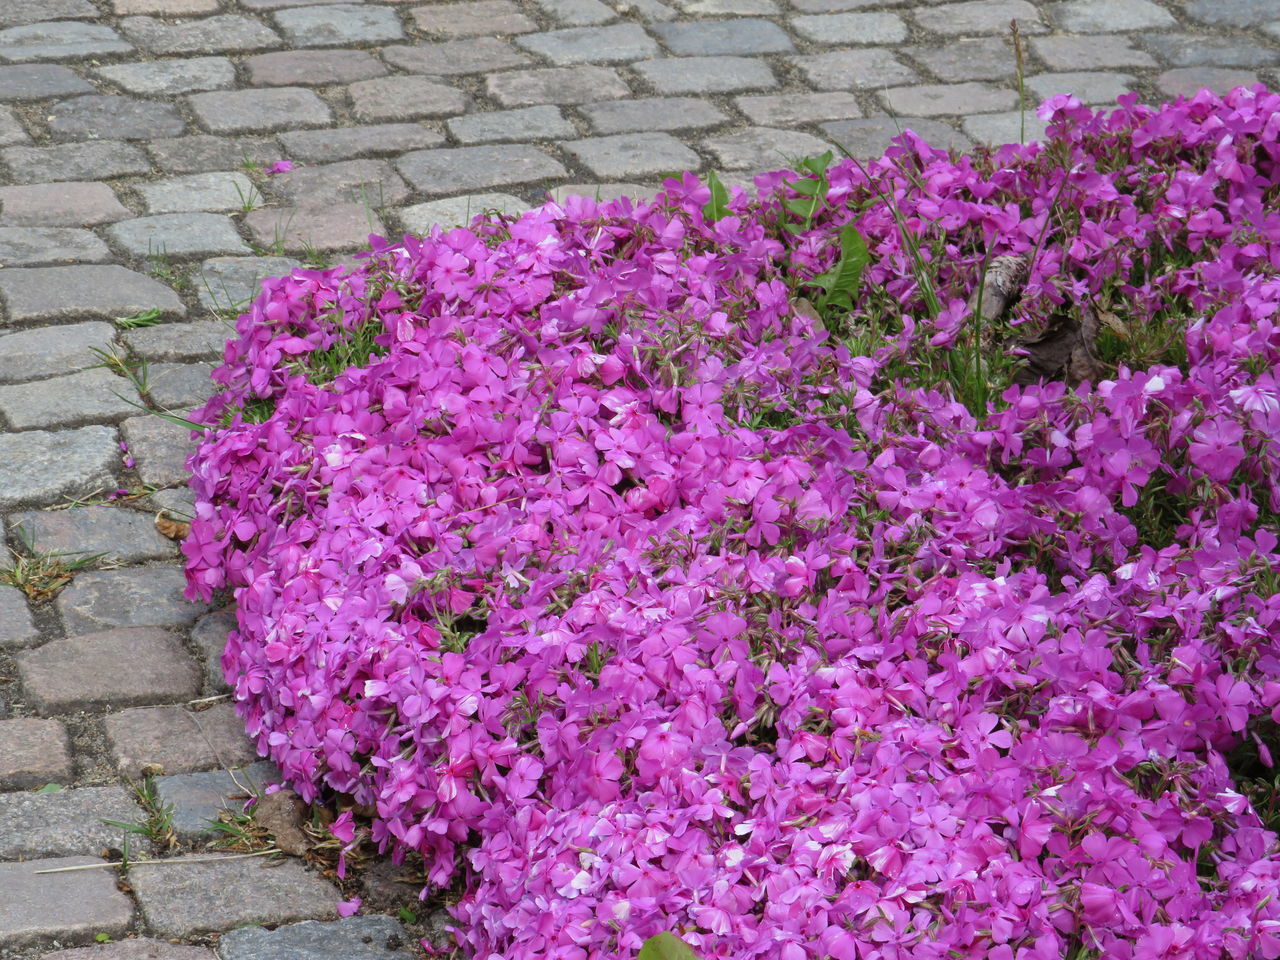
<point x="281" y="814"/>
<point x="173" y="529"/>
<point x="1001" y="287"/>
<point x="1065" y="352"/>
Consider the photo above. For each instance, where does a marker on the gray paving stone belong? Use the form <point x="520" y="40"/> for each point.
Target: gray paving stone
<point x="1232" y="13"/>
<point x="345" y="143"/>
<point x="1188" y="81"/>
<point x="367" y="182"/>
<point x="869" y="69"/>
<point x="124" y="667"/>
<point x="280" y="4"/>
<point x="457" y="211"/>
<point x="178" y="502"/>
<point x="198" y="340"/>
<point x="404" y="98"/>
<point x="126" y="535"/>
<point x="618" y="43"/>
<point x="160" y="449"/>
<point x="11" y="130"/>
<point x="168" y="78"/>
<point x="130" y="597"/>
<point x="339" y="226"/>
<point x="967" y="58"/>
<point x="473" y="168"/>
<point x="869" y="137"/>
<point x="45" y="351"/>
<point x="479" y="19"/>
<point x="652" y="113"/>
<point x="180" y="386"/>
<point x="454" y="57"/>
<point x="123" y="118"/>
<point x="88" y="396"/>
<point x="633" y="155"/>
<point x="1091" y="86"/>
<point x="576" y="13"/>
<point x="75" y="161"/>
<point x="43" y="466"/>
<point x="178" y="235"/>
<point x="1198" y="50"/>
<point x="220" y="192"/>
<point x="979" y="17"/>
<point x="783" y="110"/>
<point x="165" y="8"/>
<point x="175" y="739"/>
<point x="17" y="12"/>
<point x="529" y="123"/>
<point x="286" y="68"/>
<point x="736" y="8"/>
<point x="59" y="40"/>
<point x="73" y="907"/>
<point x="90" y="291"/>
<point x="716" y="37"/>
<point x="33" y="753"/>
<point x="199" y="798"/>
<point x="174" y="897"/>
<point x="205" y="153"/>
<point x="557" y="85"/>
<point x="63" y="824"/>
<point x="16" y="626"/>
<point x="338" y="24"/>
<point x="209" y="636"/>
<point x="1109" y="16"/>
<point x="948" y="99"/>
<point x="1001" y="128"/>
<point x="842" y="28"/>
<point x="59" y="205"/>
<point x="40" y="81"/>
<point x="649" y="11"/>
<point x="763" y="148"/>
<point x="33" y="246"/>
<point x="247" y="111"/>
<point x="1090" y="53"/>
<point x="141" y="948"/>
<point x="226" y="33"/>
<point x="232" y="283"/>
<point x="352" y="938"/>
<point x="707" y="74"/>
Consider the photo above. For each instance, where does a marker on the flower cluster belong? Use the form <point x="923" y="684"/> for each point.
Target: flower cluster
<point x="631" y="593"/>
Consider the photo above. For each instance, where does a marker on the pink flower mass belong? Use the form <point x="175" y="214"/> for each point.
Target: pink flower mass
<point x="635" y="594"/>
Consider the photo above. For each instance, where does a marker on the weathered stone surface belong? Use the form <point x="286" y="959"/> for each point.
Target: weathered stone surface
<point x="523" y="88"/>
<point x="781" y="110"/>
<point x="211" y="192"/>
<point x="16" y="626"/>
<point x="339" y="226"/>
<point x="16" y="12"/>
<point x="1199" y="50"/>
<point x="228" y="33"/>
<point x="72" y="907"/>
<point x="763" y="148"/>
<point x="481" y="19"/>
<point x="59" y="40"/>
<point x="180" y="386"/>
<point x="707" y="74"/>
<point x="652" y="113"/>
<point x="198" y="799"/>
<point x="868" y="137"/>
<point x="175" y="739"/>
<point x="1109" y="16"/>
<point x="576" y="13"/>
<point x="1001" y="128"/>
<point x="856" y="28"/>
<point x="337" y="24"/>
<point x="168" y="78"/>
<point x="1188" y="81"/>
<point x="178" y="502"/>
<point x="244" y="111"/>
<point x="75" y="161"/>
<point x="178" y="235"/>
<point x="34" y="246"/>
<point x="166" y="8"/>
<point x="108" y="291"/>
<point x="205" y="153"/>
<point x="529" y="123"/>
<point x="209" y="635"/>
<point x="232" y="283"/>
<point x="345" y="143"/>
<point x="11" y="129"/>
<point x="63" y="824"/>
<point x="125" y="667"/>
<point x="404" y="98"/>
<point x="870" y="69"/>
<point x="1090" y="53"/>
<point x="175" y="902"/>
<point x="477" y="55"/>
<point x="199" y="340"/>
<point x="980" y="16"/>
<point x="159" y="448"/>
<point x="457" y="211"/>
<point x="139" y="949"/>
<point x="133" y="597"/>
<point x="709" y="38"/>
<point x="352" y="938"/>
<point x="59" y="205"/>
<point x="123" y="118"/>
<point x="40" y="81"/>
<point x="126" y="535"/>
<point x="619" y="43"/>
<point x="33" y="753"/>
<point x="367" y="182"/>
<point x="967" y="58"/>
<point x="472" y="168"/>
<point x="1235" y="13"/>
<point x="633" y="155"/>
<point x="1093" y="87"/>
<point x="286" y="68"/>
<point x="942" y="99"/>
<point x="42" y="466"/>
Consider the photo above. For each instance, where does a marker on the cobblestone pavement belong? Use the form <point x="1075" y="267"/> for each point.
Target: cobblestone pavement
<point x="134" y="137"/>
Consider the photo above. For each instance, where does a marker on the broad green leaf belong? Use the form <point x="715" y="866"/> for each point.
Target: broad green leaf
<point x="818" y="165"/>
<point x="843" y="280"/>
<point x="666" y="946"/>
<point x="807" y="187"/>
<point x="717" y="207"/>
<point x="802" y="208"/>
<point x="50" y="788"/>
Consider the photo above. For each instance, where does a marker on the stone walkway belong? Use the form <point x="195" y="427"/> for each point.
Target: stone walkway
<point x="136" y="138"/>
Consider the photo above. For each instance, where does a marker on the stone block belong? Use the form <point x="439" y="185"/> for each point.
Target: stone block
<point x="227" y="33"/>
<point x="366" y="182"/>
<point x="40" y="81"/>
<point x="452" y="57"/>
<point x="998" y="129"/>
<point x="678" y="75"/>
<point x="177" y="740"/>
<point x="198" y="799"/>
<point x="159" y="449"/>
<point x="209" y="636"/>
<point x="75" y="161"/>
<point x="205" y="153"/>
<point x="257" y="110"/>
<point x="484" y="18"/>
<point x="43" y="351"/>
<point x="218" y="192"/>
<point x="1090" y="53"/>
<point x="287" y="68"/>
<point x="107" y="291"/>
<point x="37" y="246"/>
<point x="850" y="28"/>
<point x="199" y="340"/>
<point x="345" y="143"/>
<point x="948" y="99"/>
<point x="338" y="24"/>
<point x="179" y="235"/>
<point x="132" y="597"/>
<point x="561" y="85"/>
<point x="71" y="907"/>
<point x="1109" y="16"/>
<point x="233" y="283"/>
<point x="100" y="117"/>
<point x="474" y="168"/>
<point x="1091" y="86"/>
<point x="633" y="155"/>
<point x="404" y="98"/>
<point x="341" y="226"/>
<point x="783" y="110"/>
<point x="59" y="205"/>
<point x="457" y="212"/>
<point x="63" y="824"/>
<point x="869" y="137"/>
<point x="43" y="466"/>
<point x="59" y="40"/>
<point x="529" y="123"/>
<point x="351" y="938"/>
<point x="618" y="43"/>
<point x="869" y="69"/>
<point x="33" y="753"/>
<point x="1188" y="81"/>
<point x="139" y="949"/>
<point x="652" y="113"/>
<point x="119" y="533"/>
<point x="977" y="17"/>
<point x="763" y="148"/>
<point x="17" y="629"/>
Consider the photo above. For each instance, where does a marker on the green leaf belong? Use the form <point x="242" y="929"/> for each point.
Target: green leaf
<point x="50" y="788"/>
<point x="147" y="318"/>
<point x="802" y="208"/>
<point x="807" y="187"/>
<point x="717" y="207"/>
<point x="102" y="937"/>
<point x="817" y="165"/>
<point x="407" y="916"/>
<point x="666" y="946"/>
<point x="842" y="281"/>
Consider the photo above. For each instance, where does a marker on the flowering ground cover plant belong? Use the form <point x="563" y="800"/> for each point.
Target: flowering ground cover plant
<point x="720" y="565"/>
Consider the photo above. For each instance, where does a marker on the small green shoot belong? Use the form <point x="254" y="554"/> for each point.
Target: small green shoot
<point x="40" y="574"/>
<point x="102" y="937"/>
<point x="50" y="788"/>
<point x="666" y="946"/>
<point x="406" y="915"/>
<point x="147" y="318"/>
<point x="840" y="284"/>
<point x="157" y="822"/>
<point x="717" y="208"/>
